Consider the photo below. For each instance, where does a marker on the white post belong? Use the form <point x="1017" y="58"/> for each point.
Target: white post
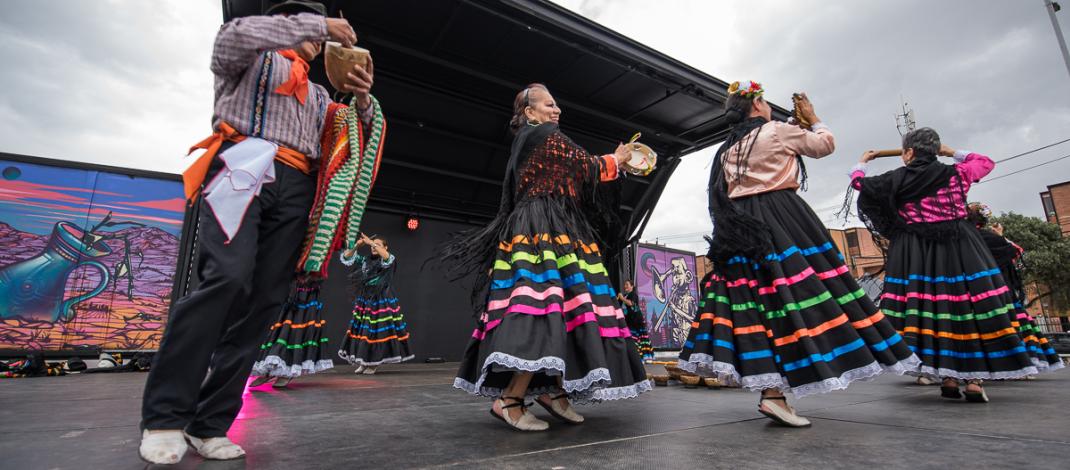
<point x="1058" y="32"/>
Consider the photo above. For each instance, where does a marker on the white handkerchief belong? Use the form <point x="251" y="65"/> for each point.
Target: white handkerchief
<point x="250" y="164"/>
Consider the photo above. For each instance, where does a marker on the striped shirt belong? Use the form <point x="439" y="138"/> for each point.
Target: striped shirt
<point x="248" y="69"/>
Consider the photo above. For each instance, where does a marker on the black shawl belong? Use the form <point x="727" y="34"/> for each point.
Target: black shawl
<point x="1007" y="258"/>
<point x="368" y="274"/>
<point x="880" y="198"/>
<point x="735" y="232"/>
<point x="593" y="212"/>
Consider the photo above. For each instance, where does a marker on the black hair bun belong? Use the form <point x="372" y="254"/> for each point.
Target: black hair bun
<point x="733" y="116"/>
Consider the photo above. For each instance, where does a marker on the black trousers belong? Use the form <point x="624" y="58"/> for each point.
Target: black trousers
<point x="218" y="325"/>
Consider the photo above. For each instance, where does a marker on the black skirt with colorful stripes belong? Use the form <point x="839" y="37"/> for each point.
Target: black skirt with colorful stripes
<point x="798" y="322"/>
<point x="295" y="343"/>
<point x="552" y="311"/>
<point x="949" y="300"/>
<point x="642" y="341"/>
<point x="377" y="333"/>
<point x="1036" y="343"/>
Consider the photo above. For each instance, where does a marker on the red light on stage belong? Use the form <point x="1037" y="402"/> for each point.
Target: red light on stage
<point x="413" y="223"/>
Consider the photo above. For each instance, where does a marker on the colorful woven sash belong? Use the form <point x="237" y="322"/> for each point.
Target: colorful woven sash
<point x="350" y="164"/>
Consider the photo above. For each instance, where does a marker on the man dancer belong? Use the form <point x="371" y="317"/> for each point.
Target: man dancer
<point x="254" y="212"/>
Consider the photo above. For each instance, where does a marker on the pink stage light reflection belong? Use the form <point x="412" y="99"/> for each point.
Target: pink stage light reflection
<point x="253" y="407"/>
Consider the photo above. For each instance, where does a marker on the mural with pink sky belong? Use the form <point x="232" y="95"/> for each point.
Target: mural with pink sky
<point x="87" y="258"/>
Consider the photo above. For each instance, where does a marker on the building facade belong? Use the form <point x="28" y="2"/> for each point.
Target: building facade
<point x="1056" y="202"/>
<point x="860" y="252"/>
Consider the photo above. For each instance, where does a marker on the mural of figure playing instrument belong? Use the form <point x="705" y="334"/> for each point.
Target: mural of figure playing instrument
<point x="668" y="288"/>
<point x="87" y="258"/>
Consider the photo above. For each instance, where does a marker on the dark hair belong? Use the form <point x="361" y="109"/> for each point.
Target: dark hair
<point x="520" y="103"/>
<point x="384" y="242"/>
<point x="975" y="214"/>
<point x="737" y="108"/>
<point x="924" y="141"/>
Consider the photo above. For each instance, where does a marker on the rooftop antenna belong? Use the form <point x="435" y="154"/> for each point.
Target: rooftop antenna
<point x="905" y="122"/>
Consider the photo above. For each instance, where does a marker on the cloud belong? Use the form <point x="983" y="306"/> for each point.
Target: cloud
<point x="118" y="83"/>
<point x="127" y="83"/>
<point x="986" y="74"/>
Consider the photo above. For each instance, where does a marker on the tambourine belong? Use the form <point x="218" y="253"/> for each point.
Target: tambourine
<point x="339" y="60"/>
<point x="643" y="159"/>
<point x="797" y="115"/>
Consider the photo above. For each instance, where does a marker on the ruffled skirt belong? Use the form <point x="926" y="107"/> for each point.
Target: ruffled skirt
<point x="949" y="301"/>
<point x="377" y="333"/>
<point x="799" y="322"/>
<point x="295" y="342"/>
<point x="552" y="311"/>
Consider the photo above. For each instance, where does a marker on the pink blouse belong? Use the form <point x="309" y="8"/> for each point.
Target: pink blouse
<point x="949" y="203"/>
<point x="772" y="165"/>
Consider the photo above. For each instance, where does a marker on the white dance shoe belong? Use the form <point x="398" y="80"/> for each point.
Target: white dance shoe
<point x="784" y="414"/>
<point x="567" y="413"/>
<point x="162" y="447"/>
<point x="216" y="448"/>
<point x="526" y="422"/>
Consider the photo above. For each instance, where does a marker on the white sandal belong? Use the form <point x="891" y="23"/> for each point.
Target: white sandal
<point x="162" y="447"/>
<point x="784" y="415"/>
<point x="567" y="414"/>
<point x="527" y="421"/>
<point x="216" y="448"/>
<point x="263" y="379"/>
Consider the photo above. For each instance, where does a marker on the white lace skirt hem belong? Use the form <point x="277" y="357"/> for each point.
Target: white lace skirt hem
<point x="275" y="366"/>
<point x="704" y="364"/>
<point x="592" y="388"/>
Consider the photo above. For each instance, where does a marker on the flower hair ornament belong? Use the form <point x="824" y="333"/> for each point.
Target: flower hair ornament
<point x="980" y="212"/>
<point x="746" y="89"/>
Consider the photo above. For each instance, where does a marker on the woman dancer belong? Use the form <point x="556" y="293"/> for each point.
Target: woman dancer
<point x="377" y="333"/>
<point x="942" y="289"/>
<point x="1009" y="257"/>
<point x="780" y="311"/>
<point x="295" y="342"/>
<point x="550" y="326"/>
<point x="633" y="316"/>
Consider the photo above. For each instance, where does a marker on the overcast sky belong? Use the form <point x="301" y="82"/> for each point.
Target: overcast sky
<point x="126" y="82"/>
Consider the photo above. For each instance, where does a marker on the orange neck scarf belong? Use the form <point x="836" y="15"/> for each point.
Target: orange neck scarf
<point x="297" y="85"/>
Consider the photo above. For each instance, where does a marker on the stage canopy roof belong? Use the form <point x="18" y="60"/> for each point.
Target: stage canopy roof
<point x="447" y="71"/>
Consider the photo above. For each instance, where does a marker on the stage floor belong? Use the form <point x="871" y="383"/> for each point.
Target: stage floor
<point x="410" y="416"/>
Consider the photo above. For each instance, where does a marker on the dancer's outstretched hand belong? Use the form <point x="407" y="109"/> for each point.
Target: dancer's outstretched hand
<point x="946" y="151"/>
<point x="622" y="154"/>
<point x="806" y="109"/>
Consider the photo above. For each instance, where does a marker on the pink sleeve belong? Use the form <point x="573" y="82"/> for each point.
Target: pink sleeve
<point x="815" y="144"/>
<point x="975" y="167"/>
<point x="856" y="179"/>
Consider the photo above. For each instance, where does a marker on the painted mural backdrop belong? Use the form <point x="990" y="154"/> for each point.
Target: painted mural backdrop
<point x="87" y="258"/>
<point x="668" y="293"/>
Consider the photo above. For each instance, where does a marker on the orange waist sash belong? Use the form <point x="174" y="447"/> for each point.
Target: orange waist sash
<point x="194" y="176"/>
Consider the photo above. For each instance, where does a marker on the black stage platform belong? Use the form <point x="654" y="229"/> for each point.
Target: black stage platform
<point x="410" y="416"/>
